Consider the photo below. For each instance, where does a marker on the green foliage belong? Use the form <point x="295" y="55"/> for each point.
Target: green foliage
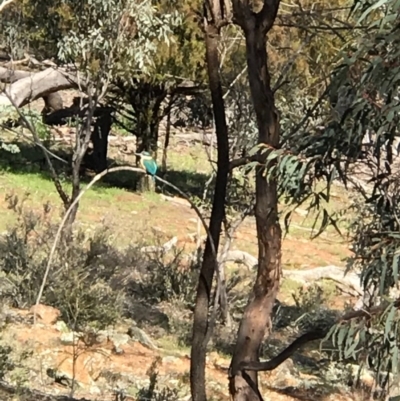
<point x="97" y="35"/>
<point x="364" y="93"/>
<point x="170" y="278"/>
<point x="372" y="341"/>
<point x="6" y="364"/>
<point x="122" y="35"/>
<point x="9" y="116"/>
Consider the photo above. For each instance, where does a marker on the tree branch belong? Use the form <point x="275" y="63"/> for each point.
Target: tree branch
<point x="266" y="17"/>
<point x="317" y="334"/>
<point x="8" y="75"/>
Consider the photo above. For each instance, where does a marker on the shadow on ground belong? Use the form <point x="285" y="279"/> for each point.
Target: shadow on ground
<point x="30" y="159"/>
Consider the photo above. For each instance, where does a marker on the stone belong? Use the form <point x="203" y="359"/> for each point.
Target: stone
<point x="142" y="337"/>
<point x="69" y="338"/>
<point x="61" y="326"/>
<point x="45" y="314"/>
<point x="118" y="351"/>
<point x="119" y="339"/>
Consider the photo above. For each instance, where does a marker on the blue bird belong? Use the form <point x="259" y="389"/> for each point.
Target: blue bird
<point x="148" y="163"/>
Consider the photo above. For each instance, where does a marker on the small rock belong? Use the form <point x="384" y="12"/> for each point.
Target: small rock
<point x="118" y="351"/>
<point x="101" y="336"/>
<point x="69" y="338"/>
<point x="46" y="314"/>
<point x="118" y="339"/>
<point x="94" y="390"/>
<point x="61" y="326"/>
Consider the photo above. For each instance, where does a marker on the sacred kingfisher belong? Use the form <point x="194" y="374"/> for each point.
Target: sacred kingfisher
<point x="148" y="163"/>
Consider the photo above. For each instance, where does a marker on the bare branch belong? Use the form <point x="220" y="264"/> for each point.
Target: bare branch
<point x="241" y="161"/>
<point x="50" y="153"/>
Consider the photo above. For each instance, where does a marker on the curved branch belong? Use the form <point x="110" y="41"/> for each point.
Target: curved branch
<point x="317" y="334"/>
<point x="266" y="17"/>
<point x="285" y="354"/>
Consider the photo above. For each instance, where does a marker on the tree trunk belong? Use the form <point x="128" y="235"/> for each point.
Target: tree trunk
<point x="203" y="296"/>
<point x="82" y="140"/>
<point x="147" y="110"/>
<point x="166" y="143"/>
<point x="256" y="321"/>
<point x="100" y="142"/>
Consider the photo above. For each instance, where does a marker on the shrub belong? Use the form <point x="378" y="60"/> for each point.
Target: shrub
<point x="170" y="278"/>
<point x="86" y="281"/>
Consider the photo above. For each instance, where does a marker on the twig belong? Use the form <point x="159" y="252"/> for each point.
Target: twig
<point x="95" y="179"/>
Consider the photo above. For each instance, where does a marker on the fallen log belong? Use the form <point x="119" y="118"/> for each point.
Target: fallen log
<point x="36" y="85"/>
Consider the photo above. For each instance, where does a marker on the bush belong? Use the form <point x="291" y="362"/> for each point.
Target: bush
<point x="170" y="278"/>
<point x="86" y="281"/>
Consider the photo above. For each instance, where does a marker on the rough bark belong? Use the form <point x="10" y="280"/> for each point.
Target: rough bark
<point x="83" y="136"/>
<point x="209" y="264"/>
<point x="53" y="100"/>
<point x="8" y="75"/>
<point x="256" y="321"/>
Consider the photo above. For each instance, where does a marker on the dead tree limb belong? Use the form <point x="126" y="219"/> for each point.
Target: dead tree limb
<point x="36" y="85"/>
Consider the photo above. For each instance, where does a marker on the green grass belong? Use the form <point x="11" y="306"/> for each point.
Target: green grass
<point x="132" y="216"/>
<point x="192" y="160"/>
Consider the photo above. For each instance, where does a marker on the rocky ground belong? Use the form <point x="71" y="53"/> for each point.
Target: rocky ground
<point x="48" y="358"/>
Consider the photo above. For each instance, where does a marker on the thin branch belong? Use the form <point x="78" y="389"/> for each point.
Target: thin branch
<point x="95" y="179"/>
<point x="290" y="63"/>
<point x="241" y="161"/>
<point x="50" y="153"/>
<point x="64" y="197"/>
<point x="234" y="82"/>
